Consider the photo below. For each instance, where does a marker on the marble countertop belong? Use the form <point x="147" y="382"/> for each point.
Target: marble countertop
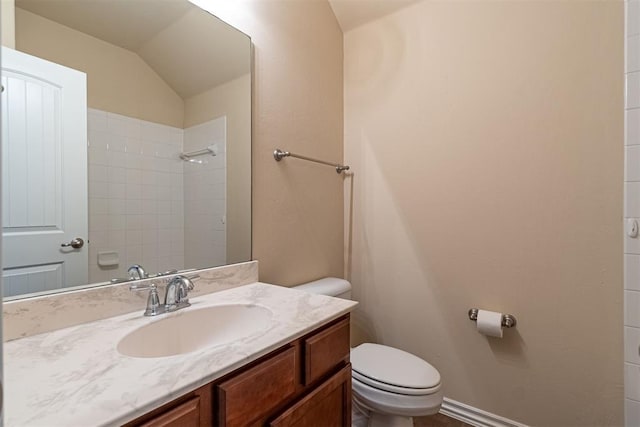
<point x="76" y="377"/>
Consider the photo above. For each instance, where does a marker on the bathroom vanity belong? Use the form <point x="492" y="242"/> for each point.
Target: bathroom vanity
<point x="292" y="369"/>
<point x="306" y="380"/>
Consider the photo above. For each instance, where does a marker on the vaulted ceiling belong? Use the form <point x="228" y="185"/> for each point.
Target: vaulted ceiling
<point x="353" y="13"/>
<point x="170" y="36"/>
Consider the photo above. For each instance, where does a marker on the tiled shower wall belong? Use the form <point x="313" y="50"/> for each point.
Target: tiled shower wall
<point x="205" y="196"/>
<point x="632" y="213"/>
<point x="136" y="194"/>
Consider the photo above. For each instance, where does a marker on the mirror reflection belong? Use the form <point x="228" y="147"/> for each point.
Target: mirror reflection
<point x="126" y="140"/>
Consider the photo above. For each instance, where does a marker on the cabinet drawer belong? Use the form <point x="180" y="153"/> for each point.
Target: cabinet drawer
<point x="254" y="393"/>
<point x="326" y="350"/>
<point x="186" y="414"/>
<point x="328" y="405"/>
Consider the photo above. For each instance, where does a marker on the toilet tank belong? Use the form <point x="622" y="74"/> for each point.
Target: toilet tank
<point x="331" y="286"/>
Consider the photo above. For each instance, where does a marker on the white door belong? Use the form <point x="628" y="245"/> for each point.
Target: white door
<point x="44" y="174"/>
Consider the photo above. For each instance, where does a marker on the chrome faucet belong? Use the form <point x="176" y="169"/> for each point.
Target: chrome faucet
<point x="137" y="272"/>
<point x="176" y="295"/>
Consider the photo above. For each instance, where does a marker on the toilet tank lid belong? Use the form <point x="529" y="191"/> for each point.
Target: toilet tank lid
<point x="331" y="286"/>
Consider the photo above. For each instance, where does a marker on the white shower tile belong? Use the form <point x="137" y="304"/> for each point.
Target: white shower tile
<point x="96" y="120"/>
<point x="632" y="345"/>
<point x="118" y="143"/>
<point x="150" y="251"/>
<point x="99" y="189"/>
<point x="98" y="222"/>
<point x="149" y="207"/>
<point x="117" y="239"/>
<point x="98" y="173"/>
<point x="134" y="254"/>
<point x="632" y="163"/>
<point x="149" y="193"/>
<point x="117" y="125"/>
<point x="98" y="156"/>
<point x="164" y="249"/>
<point x="134" y="222"/>
<point x="150" y="222"/>
<point x="633" y="90"/>
<point x="133" y="237"/>
<point x="631" y="244"/>
<point x="117" y="175"/>
<point x="117" y="191"/>
<point x="117" y="206"/>
<point x="118" y="159"/>
<point x="133" y="146"/>
<point x="632" y="199"/>
<point x="134" y="161"/>
<point x="632" y="272"/>
<point x="98" y="206"/>
<point x="150" y="237"/>
<point x="134" y="192"/>
<point x="99" y="139"/>
<point x="631" y="308"/>
<point x="632" y="381"/>
<point x="631" y="413"/>
<point x="164" y="237"/>
<point x="633" y="17"/>
<point x="117" y="222"/>
<point x="164" y="221"/>
<point x="633" y="54"/>
<point x="632" y="126"/>
<point x="133" y="207"/>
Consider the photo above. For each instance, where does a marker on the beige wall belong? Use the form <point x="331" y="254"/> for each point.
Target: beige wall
<point x="118" y="81"/>
<point x="486" y="141"/>
<point x="233" y="100"/>
<point x="7" y="24"/>
<point x="297" y="106"/>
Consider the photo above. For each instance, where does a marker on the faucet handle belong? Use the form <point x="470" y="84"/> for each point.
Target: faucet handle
<point x="190" y="279"/>
<point x="153" y="300"/>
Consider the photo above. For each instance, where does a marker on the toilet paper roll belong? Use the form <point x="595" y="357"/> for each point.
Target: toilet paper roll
<point x="489" y="323"/>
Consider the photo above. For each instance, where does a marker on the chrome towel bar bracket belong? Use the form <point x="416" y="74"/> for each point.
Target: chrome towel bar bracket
<point x="508" y="320"/>
<point x="278" y="154"/>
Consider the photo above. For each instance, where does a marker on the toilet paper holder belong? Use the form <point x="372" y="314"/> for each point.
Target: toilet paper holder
<point x="508" y="320"/>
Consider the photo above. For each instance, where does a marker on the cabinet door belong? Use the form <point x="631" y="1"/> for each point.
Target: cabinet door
<point x="328" y="405"/>
<point x="194" y="409"/>
<point x="186" y="414"/>
<point x="257" y="392"/>
<point x="326" y="350"/>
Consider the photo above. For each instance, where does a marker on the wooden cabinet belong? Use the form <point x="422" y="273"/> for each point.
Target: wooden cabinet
<point x="191" y="410"/>
<point x="305" y="383"/>
<point x="185" y="414"/>
<point x="253" y="394"/>
<point x="328" y="405"/>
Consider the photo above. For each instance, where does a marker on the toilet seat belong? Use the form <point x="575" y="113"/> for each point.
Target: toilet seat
<point x="407" y="391"/>
<point x="387" y="380"/>
<point x="393" y="370"/>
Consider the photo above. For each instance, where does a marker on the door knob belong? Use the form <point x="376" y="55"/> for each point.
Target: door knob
<point x="76" y="243"/>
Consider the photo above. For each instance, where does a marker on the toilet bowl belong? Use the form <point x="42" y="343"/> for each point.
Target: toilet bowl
<point x="389" y="386"/>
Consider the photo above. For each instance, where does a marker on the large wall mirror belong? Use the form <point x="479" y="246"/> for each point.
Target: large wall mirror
<point x="126" y="140"/>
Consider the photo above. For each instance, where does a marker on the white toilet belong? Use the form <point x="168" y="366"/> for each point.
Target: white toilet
<point x="390" y="386"/>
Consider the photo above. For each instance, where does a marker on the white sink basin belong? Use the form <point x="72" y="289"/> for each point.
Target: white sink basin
<point x="193" y="329"/>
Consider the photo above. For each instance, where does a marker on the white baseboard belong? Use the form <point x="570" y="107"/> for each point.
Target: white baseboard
<point x="474" y="416"/>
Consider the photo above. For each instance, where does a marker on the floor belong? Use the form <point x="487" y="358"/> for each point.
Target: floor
<point x="438" y="420"/>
